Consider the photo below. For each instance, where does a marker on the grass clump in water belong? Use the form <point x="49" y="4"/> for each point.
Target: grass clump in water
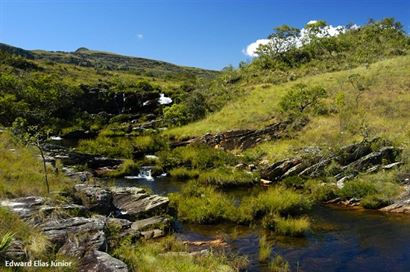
<point x="276" y="200"/>
<point x="265" y="249"/>
<point x="202" y="204"/>
<point x="287" y="226"/>
<point x="225" y="177"/>
<point x="279" y="264"/>
<point x="170" y="255"/>
<point x="196" y="156"/>
<point x="184" y="173"/>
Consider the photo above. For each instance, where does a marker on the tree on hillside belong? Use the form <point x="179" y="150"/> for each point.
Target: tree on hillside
<point x="301" y="98"/>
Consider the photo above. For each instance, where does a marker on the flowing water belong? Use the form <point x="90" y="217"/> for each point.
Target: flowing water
<point x="342" y="240"/>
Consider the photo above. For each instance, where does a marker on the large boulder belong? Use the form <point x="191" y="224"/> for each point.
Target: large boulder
<point x="59" y="230"/>
<point x="98" y="261"/>
<point x="94" y="198"/>
<point x="151" y="223"/>
<point x="136" y="203"/>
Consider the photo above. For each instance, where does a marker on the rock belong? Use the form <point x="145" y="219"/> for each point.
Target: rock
<point x="77" y="244"/>
<point x="265" y="181"/>
<point x="97" y="261"/>
<point x="59" y="230"/>
<point x="151" y="223"/>
<point x="278" y="169"/>
<point x="25" y="207"/>
<point x="341" y="182"/>
<point x="203" y="252"/>
<point x="121" y="224"/>
<point x="401" y="205"/>
<point x="392" y="165"/>
<point x="375" y="158"/>
<point x="94" y="198"/>
<point x="135" y="203"/>
<point x="209" y="243"/>
<point x="316" y="169"/>
<point x="151" y="234"/>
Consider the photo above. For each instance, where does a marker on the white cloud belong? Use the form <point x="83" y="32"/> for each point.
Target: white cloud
<point x="327" y="31"/>
<point x="251" y="48"/>
<point x="140" y="36"/>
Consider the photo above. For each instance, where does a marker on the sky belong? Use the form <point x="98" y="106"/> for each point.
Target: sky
<point x="202" y="33"/>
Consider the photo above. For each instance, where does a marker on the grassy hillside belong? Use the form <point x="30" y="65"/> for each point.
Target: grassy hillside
<point x="383" y="107"/>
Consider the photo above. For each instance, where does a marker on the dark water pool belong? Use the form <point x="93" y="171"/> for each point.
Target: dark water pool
<point x="342" y="240"/>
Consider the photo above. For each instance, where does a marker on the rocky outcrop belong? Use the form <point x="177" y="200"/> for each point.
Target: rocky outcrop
<point x="135" y="203"/>
<point x="243" y="139"/>
<point x="401" y="205"/>
<point x="348" y="161"/>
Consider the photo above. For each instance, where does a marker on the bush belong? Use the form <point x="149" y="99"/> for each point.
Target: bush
<point x="127" y="167"/>
<point x="375" y="201"/>
<point x="294" y="182"/>
<point x="319" y="190"/>
<point x="223" y="177"/>
<point x="301" y="98"/>
<point x="357" y="189"/>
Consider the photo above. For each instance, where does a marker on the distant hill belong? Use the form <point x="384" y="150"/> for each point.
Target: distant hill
<point x="111" y="61"/>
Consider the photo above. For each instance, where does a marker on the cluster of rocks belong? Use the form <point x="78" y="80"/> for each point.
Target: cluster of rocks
<point x="348" y="162"/>
<point x="243" y="139"/>
<point x="130" y="211"/>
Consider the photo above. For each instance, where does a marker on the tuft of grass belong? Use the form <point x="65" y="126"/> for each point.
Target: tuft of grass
<point x="127" y="167"/>
<point x="224" y="177"/>
<point x="202" y="204"/>
<point x="276" y="200"/>
<point x="287" y="226"/>
<point x="279" y="264"/>
<point x="196" y="156"/>
<point x="265" y="249"/>
<point x="375" y="201"/>
<point x="122" y="147"/>
<point x="170" y="255"/>
<point x="183" y="173"/>
<point x="320" y="191"/>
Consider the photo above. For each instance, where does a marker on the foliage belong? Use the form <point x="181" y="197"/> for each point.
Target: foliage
<point x="279" y="264"/>
<point x="297" y="100"/>
<point x="265" y="249"/>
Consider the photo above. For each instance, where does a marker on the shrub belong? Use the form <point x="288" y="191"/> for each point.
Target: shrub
<point x="294" y="182"/>
<point x="375" y="201"/>
<point x="127" y="167"/>
<point x="319" y="190"/>
<point x="357" y="189"/>
<point x="301" y="98"/>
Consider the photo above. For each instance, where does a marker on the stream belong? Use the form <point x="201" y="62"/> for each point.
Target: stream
<point x="341" y="240"/>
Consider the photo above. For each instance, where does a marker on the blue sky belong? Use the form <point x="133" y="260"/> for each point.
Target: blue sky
<point x="202" y="33"/>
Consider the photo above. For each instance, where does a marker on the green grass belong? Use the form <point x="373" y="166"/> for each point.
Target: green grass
<point x="275" y="200"/>
<point x="183" y="173"/>
<point x="197" y="157"/>
<point x="287" y="226"/>
<point x="121" y="147"/>
<point x="383" y="106"/>
<point x="22" y="171"/>
<point x="265" y="249"/>
<point x="157" y="256"/>
<point x="126" y="168"/>
<point x="279" y="264"/>
<point x="225" y="177"/>
<point x="199" y="204"/>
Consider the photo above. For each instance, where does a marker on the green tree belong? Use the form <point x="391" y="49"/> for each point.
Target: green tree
<point x="301" y="98"/>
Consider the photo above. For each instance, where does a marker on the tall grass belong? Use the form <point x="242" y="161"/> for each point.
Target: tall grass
<point x="170" y="255"/>
<point x="225" y="177"/>
<point x="21" y="171"/>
